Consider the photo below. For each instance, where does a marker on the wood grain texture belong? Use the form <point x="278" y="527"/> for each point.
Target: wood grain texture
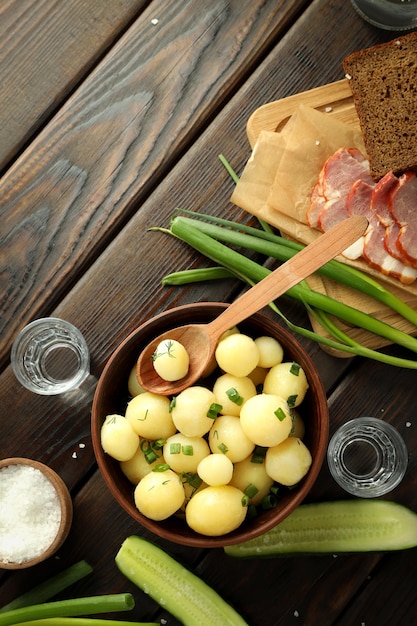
<point x="107" y="298"/>
<point x="46" y="48"/>
<point x="116" y="137"/>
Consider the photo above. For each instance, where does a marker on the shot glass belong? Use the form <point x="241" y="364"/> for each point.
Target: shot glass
<point x="367" y="457"/>
<point x="388" y="14"/>
<point x="50" y="356"/>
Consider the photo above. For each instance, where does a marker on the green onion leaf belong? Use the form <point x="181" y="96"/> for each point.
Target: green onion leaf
<point x="280" y="414"/>
<point x="258" y="455"/>
<point x="234" y="396"/>
<point x="188" y="450"/>
<point x="251" y="491"/>
<point x="214" y="410"/>
<point x="291" y="400"/>
<point x="295" y="369"/>
<point x="175" y="448"/>
<point x="162" y="467"/>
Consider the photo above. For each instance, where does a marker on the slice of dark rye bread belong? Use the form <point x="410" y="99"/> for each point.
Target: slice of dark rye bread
<point x="383" y="80"/>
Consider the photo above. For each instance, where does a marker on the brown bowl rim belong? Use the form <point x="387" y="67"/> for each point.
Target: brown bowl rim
<point x="264" y="523"/>
<point x="66" y="504"/>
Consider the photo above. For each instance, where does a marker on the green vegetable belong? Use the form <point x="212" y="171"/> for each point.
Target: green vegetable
<point x="335" y="527"/>
<point x="51" y="587"/>
<point x="277" y="247"/>
<point x="190" y="231"/>
<point x="69" y="608"/>
<point x="173" y="586"/>
<point x="83" y="621"/>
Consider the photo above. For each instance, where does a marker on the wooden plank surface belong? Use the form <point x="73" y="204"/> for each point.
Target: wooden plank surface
<point x="90" y="168"/>
<point x="122" y="287"/>
<point x="46" y="48"/>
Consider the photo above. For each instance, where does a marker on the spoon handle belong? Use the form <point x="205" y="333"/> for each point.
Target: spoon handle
<point x="293" y="271"/>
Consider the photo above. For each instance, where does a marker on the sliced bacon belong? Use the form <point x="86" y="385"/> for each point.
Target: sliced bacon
<point x="340" y="171"/>
<point x="360" y="202"/>
<point x="381" y="200"/>
<point x="345" y="187"/>
<point x="403" y="208"/>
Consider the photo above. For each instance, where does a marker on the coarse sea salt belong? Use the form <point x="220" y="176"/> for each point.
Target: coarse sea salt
<point x="30" y="513"/>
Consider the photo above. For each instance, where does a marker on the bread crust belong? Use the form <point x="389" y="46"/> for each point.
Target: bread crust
<point x="383" y="81"/>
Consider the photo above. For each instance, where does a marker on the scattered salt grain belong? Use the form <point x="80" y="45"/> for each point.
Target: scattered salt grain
<point x="81" y="445"/>
<point x="154" y="21"/>
<point x="74" y="455"/>
<point x="296" y="614"/>
<point x="30" y="513"/>
<point x="407" y="424"/>
<point x="328" y="109"/>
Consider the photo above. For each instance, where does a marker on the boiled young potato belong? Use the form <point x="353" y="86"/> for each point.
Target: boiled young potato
<point x="191" y="411"/>
<point x="266" y="419"/>
<point x="288" y="462"/>
<point x="171" y="360"/>
<point x="237" y="354"/>
<point x="150" y="416"/>
<point x="287" y="380"/>
<point x="118" y="439"/>
<point x="159" y="494"/>
<point x="228" y="437"/>
<point x="232" y="392"/>
<point x="215" y="511"/>
<point x="252" y="479"/>
<point x="183" y="454"/>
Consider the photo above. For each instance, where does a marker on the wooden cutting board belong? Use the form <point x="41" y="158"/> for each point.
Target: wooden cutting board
<point x="335" y="99"/>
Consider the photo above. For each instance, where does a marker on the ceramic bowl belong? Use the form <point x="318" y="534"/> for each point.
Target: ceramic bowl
<point x="111" y="397"/>
<point x="66" y="508"/>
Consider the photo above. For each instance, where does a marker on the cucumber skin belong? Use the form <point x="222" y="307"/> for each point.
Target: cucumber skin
<point x="341" y="526"/>
<point x="172" y="586"/>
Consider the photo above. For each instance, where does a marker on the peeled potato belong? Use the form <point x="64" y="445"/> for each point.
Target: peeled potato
<point x="159" y="494"/>
<point x="288" y="462"/>
<point x="216" y="511"/>
<point x="118" y="439"/>
<point x="237" y="354"/>
<point x="266" y="419"/>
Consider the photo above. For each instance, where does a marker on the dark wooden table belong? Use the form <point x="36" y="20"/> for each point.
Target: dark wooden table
<point x="113" y="114"/>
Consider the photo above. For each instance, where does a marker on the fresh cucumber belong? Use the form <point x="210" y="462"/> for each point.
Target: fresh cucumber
<point x="336" y="527"/>
<point x="177" y="589"/>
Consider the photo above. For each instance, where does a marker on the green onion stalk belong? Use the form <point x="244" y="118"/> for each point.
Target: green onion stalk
<point x="51" y="587"/>
<point x="74" y="607"/>
<point x="205" y="238"/>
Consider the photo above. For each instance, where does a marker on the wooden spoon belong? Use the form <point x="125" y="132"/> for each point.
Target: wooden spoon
<point x="200" y="340"/>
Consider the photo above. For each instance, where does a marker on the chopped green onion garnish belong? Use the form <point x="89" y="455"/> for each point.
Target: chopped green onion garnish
<point x="214" y="410"/>
<point x="280" y="414"/>
<point x="188" y="450"/>
<point x="252" y="512"/>
<point x="192" y="479"/>
<point x="223" y="448"/>
<point x="172" y="404"/>
<point x="175" y="448"/>
<point x="245" y="500"/>
<point x="269" y="502"/>
<point x="291" y="400"/>
<point x="258" y="455"/>
<point x="295" y="369"/>
<point x="251" y="491"/>
<point x="234" y="396"/>
<point x="162" y="467"/>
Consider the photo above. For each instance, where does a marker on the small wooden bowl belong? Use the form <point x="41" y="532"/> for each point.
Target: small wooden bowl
<point x="65" y="501"/>
<point x="111" y="397"/>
